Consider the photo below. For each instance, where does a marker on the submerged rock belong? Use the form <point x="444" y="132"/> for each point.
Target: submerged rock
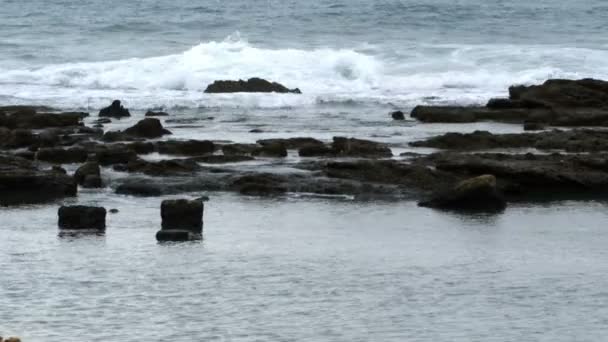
<point x="252" y="85"/>
<point x="82" y="217"/>
<point x="478" y="194"/>
<point x="398" y="115"/>
<point x="115" y="110"/>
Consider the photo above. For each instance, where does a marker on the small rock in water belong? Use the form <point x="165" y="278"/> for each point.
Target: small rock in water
<point x="182" y="220"/>
<point x="256" y="130"/>
<point x="151" y="113"/>
<point x="147" y="128"/>
<point x="115" y="110"/>
<point x="114" y="211"/>
<point x="82" y="217"/>
<point x="398" y="115"/>
<point x="252" y="85"/>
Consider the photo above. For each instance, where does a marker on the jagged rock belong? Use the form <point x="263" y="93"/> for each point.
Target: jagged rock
<point x="82" y="217"/>
<point x="253" y="85"/>
<point x="115" y="110"/>
<point x="479" y="193"/>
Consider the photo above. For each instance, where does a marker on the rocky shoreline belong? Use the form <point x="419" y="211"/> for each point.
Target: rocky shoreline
<point x="38" y="143"/>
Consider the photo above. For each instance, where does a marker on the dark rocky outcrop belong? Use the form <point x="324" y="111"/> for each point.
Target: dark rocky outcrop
<point x="186" y="147"/>
<point x="82" y="217"/>
<point x="475" y="194"/>
<point x="459" y="114"/>
<point x="271" y="150"/>
<point x="21" y="182"/>
<point x="252" y="85"/>
<point x="182" y="220"/>
<point x="62" y="156"/>
<point x="115" y="110"/>
<point x="163" y="167"/>
<point x="578" y="140"/>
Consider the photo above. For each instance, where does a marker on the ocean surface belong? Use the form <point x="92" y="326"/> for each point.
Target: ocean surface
<point x="301" y="268"/>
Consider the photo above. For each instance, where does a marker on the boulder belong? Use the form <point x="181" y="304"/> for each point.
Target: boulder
<point x="115" y="110"/>
<point x="92" y="181"/>
<point x="398" y="115"/>
<point x="476" y="194"/>
<point x="86" y="170"/>
<point x="182" y="214"/>
<point x="82" y="217"/>
<point x="147" y="128"/>
<point x="252" y="85"/>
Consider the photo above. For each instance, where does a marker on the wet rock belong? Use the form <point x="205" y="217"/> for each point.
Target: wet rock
<point x="82" y="217"/>
<point x="147" y="128"/>
<point x="239" y="149"/>
<point x="398" y="115"/>
<point x="291" y="143"/>
<point x="87" y="169"/>
<point x="182" y="220"/>
<point x="113" y="211"/>
<point x="20" y="179"/>
<point x="152" y="113"/>
<point x="271" y="150"/>
<point x="559" y="93"/>
<point x="455" y="114"/>
<point x="262" y="184"/>
<point x="314" y="150"/>
<point x="114" y="154"/>
<point x="62" y="156"/>
<point x="186" y="147"/>
<point x="256" y="130"/>
<point x="352" y="147"/>
<point x="115" y="110"/>
<point x="253" y="85"/>
<point x="59" y="169"/>
<point x="163" y="167"/>
<point x="533" y="126"/>
<point x="92" y="181"/>
<point x="222" y="159"/>
<point x="478" y="194"/>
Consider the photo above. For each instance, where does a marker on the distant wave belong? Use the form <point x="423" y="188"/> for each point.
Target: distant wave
<point x="448" y="73"/>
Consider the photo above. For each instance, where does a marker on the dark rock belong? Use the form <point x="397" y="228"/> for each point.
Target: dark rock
<point x="147" y="128"/>
<point x="352" y="147"/>
<point x="314" y="150"/>
<point x="291" y="143"/>
<point x="253" y="85"/>
<point x="113" y="211"/>
<point x="256" y="130"/>
<point x="478" y="194"/>
<point x="152" y="113"/>
<point x="115" y="110"/>
<point x="239" y="149"/>
<point x="186" y="147"/>
<point x="114" y="154"/>
<point x="272" y="150"/>
<point x="533" y="126"/>
<point x="453" y="114"/>
<point x="59" y="169"/>
<point x="92" y="181"/>
<point x="182" y="214"/>
<point x="221" y="159"/>
<point x="559" y="93"/>
<point x="176" y="235"/>
<point x="163" y="167"/>
<point x="87" y="169"/>
<point x="398" y="115"/>
<point x="82" y="217"/>
<point x="62" y="156"/>
<point x="263" y="184"/>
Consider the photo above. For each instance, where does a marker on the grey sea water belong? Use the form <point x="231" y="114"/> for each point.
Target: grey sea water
<point x="301" y="268"/>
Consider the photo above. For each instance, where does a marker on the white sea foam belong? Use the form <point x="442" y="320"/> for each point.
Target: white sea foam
<point x="443" y="73"/>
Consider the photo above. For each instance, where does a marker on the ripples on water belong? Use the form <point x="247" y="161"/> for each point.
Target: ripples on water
<point x="309" y="269"/>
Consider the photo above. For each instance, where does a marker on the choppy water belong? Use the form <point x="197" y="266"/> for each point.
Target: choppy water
<point x="295" y="268"/>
